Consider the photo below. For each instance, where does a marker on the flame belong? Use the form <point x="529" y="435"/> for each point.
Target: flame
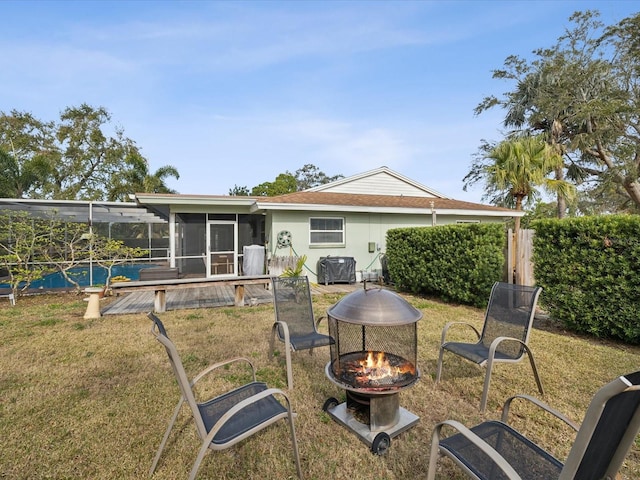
<point x="377" y="367"/>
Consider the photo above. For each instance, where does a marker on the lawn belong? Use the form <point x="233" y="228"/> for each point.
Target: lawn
<point x="86" y="399"/>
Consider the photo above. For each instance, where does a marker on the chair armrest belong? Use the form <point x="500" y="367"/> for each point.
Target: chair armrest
<point x="319" y="320"/>
<point x="498" y="340"/>
<point x="540" y="404"/>
<point x="451" y="324"/>
<point x="285" y="330"/>
<point x="498" y="459"/>
<point x="215" y="366"/>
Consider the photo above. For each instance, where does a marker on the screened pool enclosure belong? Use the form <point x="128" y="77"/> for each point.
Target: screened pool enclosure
<point x="196" y="244"/>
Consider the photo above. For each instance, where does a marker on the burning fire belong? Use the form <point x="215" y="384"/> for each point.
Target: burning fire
<point x="376" y="367"/>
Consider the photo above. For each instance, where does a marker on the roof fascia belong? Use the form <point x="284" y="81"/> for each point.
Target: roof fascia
<point x="395" y="210"/>
<point x="195" y="200"/>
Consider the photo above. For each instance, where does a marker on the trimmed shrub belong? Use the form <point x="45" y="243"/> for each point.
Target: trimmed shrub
<point x="458" y="263"/>
<point x="589" y="268"/>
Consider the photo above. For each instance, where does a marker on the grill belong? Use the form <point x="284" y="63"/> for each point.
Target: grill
<point x="373" y="359"/>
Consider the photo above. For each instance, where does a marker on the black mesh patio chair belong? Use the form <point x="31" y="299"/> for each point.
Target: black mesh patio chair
<point x="295" y="323"/>
<point x="495" y="450"/>
<point x="505" y="334"/>
<point x="229" y="418"/>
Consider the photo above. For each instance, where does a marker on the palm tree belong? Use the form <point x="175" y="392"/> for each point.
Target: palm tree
<point x="18" y="178"/>
<point x="518" y="166"/>
<point x="523" y="106"/>
<point x="138" y="179"/>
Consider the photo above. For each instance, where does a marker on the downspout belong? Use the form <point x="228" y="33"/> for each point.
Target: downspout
<point x="433" y="214"/>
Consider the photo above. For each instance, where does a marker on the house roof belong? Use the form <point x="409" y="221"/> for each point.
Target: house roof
<point x="394" y="193"/>
<point x="313" y="200"/>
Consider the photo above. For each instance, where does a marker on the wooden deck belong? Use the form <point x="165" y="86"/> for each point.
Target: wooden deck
<point x="214" y="295"/>
<point x="160" y="287"/>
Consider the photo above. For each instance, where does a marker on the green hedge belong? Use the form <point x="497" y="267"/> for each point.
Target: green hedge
<point x="458" y="263"/>
<point x="589" y="268"/>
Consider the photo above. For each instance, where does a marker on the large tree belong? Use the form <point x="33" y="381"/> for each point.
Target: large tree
<point x="83" y="156"/>
<point x="28" y="149"/>
<point x="583" y="94"/>
<point x="308" y="176"/>
<point x="238" y="191"/>
<point x="284" y="183"/>
<point x="90" y="157"/>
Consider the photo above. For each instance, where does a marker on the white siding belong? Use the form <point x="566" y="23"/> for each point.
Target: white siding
<point x="378" y="184"/>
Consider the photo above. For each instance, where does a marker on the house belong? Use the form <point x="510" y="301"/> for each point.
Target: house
<point x="346" y="220"/>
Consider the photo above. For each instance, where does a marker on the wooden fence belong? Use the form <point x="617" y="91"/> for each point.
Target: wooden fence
<point x="519" y="262"/>
<point x="277" y="265"/>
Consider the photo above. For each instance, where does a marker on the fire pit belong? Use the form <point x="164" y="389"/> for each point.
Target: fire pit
<point x="373" y="359"/>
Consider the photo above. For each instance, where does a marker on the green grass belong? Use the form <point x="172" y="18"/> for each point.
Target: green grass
<point x="91" y="398"/>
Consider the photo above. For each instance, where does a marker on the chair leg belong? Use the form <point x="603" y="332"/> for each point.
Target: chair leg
<point x="287" y="349"/>
<point x="199" y="458"/>
<point x="272" y="340"/>
<point x="166" y="437"/>
<point x="487" y="379"/>
<point x="439" y="369"/>
<point x="487" y="382"/>
<point x="535" y="371"/>
<point x="435" y="454"/>
<point x="287" y="355"/>
<point x="294" y="441"/>
<point x="289" y="368"/>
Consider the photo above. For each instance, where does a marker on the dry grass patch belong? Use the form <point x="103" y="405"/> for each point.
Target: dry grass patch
<point x="91" y="398"/>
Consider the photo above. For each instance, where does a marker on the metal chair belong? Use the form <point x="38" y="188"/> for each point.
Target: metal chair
<point x="505" y="334"/>
<point x="295" y="324"/>
<point x="495" y="450"/>
<point x="229" y="418"/>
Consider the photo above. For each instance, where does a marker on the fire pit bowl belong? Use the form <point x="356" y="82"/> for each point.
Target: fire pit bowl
<point x="373" y="359"/>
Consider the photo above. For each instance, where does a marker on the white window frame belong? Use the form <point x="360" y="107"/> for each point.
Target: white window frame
<point x="322" y="244"/>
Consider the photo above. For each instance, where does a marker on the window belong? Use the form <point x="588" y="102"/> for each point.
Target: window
<point x="326" y="231"/>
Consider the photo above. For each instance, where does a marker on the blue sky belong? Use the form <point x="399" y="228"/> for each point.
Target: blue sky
<point x="237" y="92"/>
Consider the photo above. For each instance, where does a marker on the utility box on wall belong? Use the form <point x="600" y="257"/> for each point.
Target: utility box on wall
<point x="336" y="270"/>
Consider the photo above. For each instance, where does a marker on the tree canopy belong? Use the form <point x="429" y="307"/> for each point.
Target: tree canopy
<point x="308" y="176"/>
<point x="83" y="156"/>
<point x="583" y="95"/>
